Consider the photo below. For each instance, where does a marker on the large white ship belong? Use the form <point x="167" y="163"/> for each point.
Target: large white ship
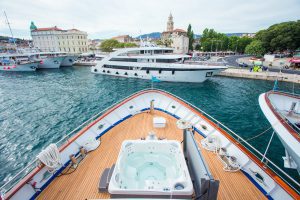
<point x="156" y="62"/>
<point x="53" y="59"/>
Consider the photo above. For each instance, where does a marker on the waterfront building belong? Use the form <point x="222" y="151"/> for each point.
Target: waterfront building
<point x="56" y="39"/>
<point x="250" y="35"/>
<point x="123" y="38"/>
<point x="180" y="41"/>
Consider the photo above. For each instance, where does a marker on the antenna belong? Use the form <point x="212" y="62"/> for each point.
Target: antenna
<point x="7" y="22"/>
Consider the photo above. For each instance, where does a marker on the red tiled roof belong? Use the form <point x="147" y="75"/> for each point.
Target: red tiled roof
<point x="179" y="30"/>
<point x="120" y="36"/>
<point x="48" y="29"/>
<point x="73" y="29"/>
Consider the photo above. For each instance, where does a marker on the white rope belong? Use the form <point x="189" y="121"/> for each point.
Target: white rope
<point x="50" y="157"/>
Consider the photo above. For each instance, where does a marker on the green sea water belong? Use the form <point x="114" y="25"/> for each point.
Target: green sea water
<point x="39" y="108"/>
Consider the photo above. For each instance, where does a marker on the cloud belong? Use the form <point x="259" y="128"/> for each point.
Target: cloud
<point x="104" y="19"/>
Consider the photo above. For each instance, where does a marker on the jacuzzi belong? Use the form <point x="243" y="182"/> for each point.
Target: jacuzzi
<point x="151" y="168"/>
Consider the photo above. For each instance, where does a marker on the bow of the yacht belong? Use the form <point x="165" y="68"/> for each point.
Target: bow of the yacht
<point x="132" y="149"/>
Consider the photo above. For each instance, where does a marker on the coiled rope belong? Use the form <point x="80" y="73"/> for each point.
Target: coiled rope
<point x="50" y="157"/>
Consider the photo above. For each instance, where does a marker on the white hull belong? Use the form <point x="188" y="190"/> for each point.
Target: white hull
<point x="28" y="67"/>
<point x="177" y="76"/>
<point x="68" y="61"/>
<point x="50" y="63"/>
<point x="290" y="143"/>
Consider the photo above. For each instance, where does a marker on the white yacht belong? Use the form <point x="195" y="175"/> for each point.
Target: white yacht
<point x="150" y="145"/>
<point x="11" y="62"/>
<point x="48" y="60"/>
<point x="283" y="112"/>
<point x="155" y="62"/>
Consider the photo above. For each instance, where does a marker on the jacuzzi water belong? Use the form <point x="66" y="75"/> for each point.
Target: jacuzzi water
<point x="155" y="167"/>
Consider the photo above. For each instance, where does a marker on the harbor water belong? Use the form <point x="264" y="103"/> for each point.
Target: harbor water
<point x="39" y="108"/>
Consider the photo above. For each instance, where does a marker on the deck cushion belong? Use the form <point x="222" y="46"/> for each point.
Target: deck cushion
<point x="102" y="187"/>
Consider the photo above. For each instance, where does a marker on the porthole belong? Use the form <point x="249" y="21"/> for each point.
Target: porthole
<point x="130" y="107"/>
<point x="125" y="73"/>
<point x="148" y="71"/>
<point x="135" y="74"/>
<point x="95" y="70"/>
<point x="103" y="71"/>
<point x="173" y="107"/>
<point x="204" y="127"/>
<point x="117" y="72"/>
<point x="100" y="126"/>
<point x="108" y="72"/>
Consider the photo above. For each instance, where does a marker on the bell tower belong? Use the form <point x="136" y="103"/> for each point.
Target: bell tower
<point x="170" y="23"/>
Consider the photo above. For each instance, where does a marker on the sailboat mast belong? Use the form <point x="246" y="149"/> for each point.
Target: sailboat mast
<point x="7" y="22"/>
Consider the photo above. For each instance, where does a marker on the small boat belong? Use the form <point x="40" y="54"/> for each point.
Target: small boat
<point x="283" y="112"/>
<point x="48" y="60"/>
<point x="17" y="63"/>
<point x="151" y="144"/>
<point x="148" y="62"/>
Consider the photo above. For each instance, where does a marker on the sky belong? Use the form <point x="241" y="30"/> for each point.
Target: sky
<point x="107" y="18"/>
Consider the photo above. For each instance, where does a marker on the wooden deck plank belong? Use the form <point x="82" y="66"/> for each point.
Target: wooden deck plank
<point x="83" y="183"/>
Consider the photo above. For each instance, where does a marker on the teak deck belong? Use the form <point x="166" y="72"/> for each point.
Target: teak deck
<point x="83" y="183"/>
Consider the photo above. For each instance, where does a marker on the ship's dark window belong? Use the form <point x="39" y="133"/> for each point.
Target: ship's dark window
<point x="117" y="72"/>
<point x="125" y="73"/>
<point x="130" y="107"/>
<point x="173" y="72"/>
<point x="147" y="71"/>
<point x="173" y="107"/>
<point x="159" y="71"/>
<point x="108" y="71"/>
<point x="135" y="74"/>
<point x="95" y="70"/>
<point x="103" y="71"/>
<point x="100" y="126"/>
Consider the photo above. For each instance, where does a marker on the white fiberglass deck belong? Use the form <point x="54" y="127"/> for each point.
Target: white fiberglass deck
<point x="151" y="167"/>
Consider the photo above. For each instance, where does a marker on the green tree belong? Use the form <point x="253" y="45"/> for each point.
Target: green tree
<point x="129" y="44"/>
<point x="108" y="45"/>
<point x="255" y="48"/>
<point x="190" y="34"/>
<point x="280" y="37"/>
